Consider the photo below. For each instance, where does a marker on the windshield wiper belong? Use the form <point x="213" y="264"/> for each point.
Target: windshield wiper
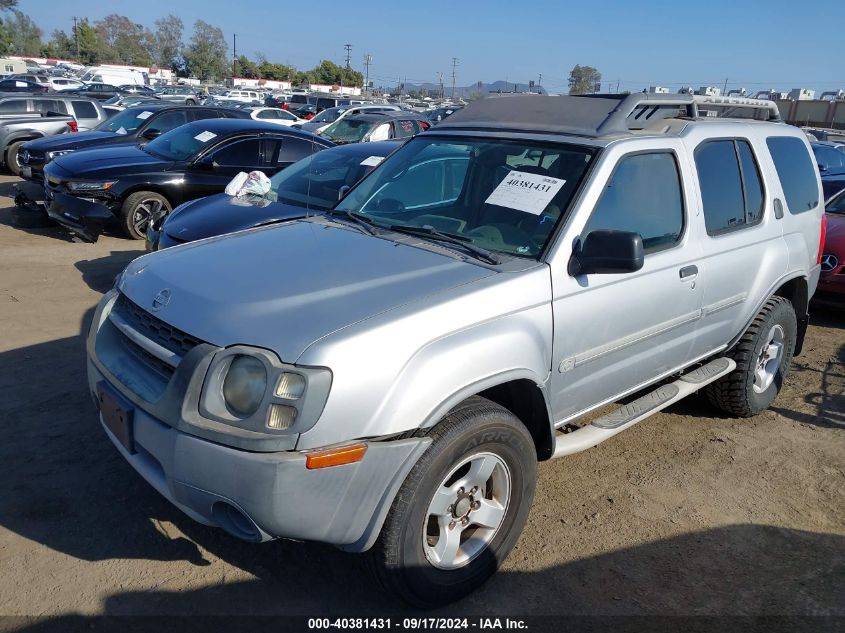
<point x="432" y="233"/>
<point x="361" y="220"/>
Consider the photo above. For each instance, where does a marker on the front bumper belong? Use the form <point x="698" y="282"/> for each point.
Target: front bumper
<point x="255" y="494"/>
<point x="84" y="218"/>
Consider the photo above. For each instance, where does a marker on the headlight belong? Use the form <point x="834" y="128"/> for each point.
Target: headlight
<point x="91" y="186"/>
<point x="57" y="153"/>
<point x="245" y="385"/>
<point x="250" y="388"/>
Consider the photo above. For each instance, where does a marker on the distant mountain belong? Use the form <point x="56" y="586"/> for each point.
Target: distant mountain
<point x="465" y="91"/>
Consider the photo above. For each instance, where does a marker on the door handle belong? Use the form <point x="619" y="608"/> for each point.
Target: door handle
<point x="688" y="271"/>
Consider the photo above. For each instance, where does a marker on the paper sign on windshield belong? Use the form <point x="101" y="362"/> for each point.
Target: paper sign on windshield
<point x="120" y="130"/>
<point x="204" y="137"/>
<point x="530" y="193"/>
<point x="372" y="161"/>
<point x="146" y="114"/>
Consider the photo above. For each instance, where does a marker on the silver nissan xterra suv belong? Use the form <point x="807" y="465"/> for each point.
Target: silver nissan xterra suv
<point x="385" y="377"/>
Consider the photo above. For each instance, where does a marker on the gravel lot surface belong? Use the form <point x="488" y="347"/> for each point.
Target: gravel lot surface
<point x="690" y="512"/>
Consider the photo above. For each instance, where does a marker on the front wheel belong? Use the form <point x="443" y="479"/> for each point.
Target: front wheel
<point x="461" y="509"/>
<point x="139" y="210"/>
<point x="12" y="160"/>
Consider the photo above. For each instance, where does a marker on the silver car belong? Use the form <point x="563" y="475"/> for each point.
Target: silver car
<point x="386" y="376"/>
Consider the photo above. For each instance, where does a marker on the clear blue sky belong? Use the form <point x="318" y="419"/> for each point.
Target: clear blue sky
<point x="756" y="44"/>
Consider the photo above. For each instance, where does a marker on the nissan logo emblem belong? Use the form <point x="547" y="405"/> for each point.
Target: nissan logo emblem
<point x="161" y="299"/>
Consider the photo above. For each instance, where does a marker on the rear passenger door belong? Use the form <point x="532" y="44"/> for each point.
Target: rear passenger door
<point x="743" y="252"/>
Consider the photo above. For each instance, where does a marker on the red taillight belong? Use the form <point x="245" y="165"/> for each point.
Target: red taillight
<point x="73" y="125"/>
<point x="821" y="238"/>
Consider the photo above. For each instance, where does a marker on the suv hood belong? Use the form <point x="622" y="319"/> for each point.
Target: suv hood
<point x="222" y="213"/>
<point x="283" y="287"/>
<point x="107" y="162"/>
<point x="76" y="141"/>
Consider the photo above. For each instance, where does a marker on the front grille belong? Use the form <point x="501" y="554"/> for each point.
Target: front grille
<point x="169" y="337"/>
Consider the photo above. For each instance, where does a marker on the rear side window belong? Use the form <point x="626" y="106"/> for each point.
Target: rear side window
<point x="731" y="186"/>
<point x="643" y="196"/>
<point x="12" y="106"/>
<point x="796" y="171"/>
<point x="49" y="105"/>
<point x="84" y="110"/>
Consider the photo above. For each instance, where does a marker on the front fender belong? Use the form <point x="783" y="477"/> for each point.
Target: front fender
<point x="404" y="370"/>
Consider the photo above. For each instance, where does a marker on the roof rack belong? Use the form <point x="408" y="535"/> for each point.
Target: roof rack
<point x="602" y="115"/>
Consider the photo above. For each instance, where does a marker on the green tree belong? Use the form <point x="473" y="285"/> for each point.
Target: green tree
<point x="166" y="43"/>
<point x="205" y="55"/>
<point x="328" y="72"/>
<point x="90" y="47"/>
<point x="124" y="41"/>
<point x="583" y="80"/>
<point x="19" y="35"/>
<point x="246" y="68"/>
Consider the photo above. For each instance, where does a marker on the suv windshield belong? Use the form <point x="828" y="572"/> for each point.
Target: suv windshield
<point x="348" y="130"/>
<point x="329" y="116"/>
<point x="316" y="180"/>
<point x="504" y="196"/>
<point x="181" y="143"/>
<point x="124" y="122"/>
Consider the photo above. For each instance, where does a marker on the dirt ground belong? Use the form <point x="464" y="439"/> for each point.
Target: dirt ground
<point x="689" y="513"/>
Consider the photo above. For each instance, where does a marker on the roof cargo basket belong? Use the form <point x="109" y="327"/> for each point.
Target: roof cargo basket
<point x="602" y="115"/>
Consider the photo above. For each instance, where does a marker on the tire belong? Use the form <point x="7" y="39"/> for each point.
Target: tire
<point x="146" y="203"/>
<point x="477" y="436"/>
<point x="190" y="102"/>
<point x="756" y="381"/>
<point x="12" y="163"/>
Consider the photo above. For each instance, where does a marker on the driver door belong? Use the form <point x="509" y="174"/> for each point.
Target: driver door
<point x="614" y="333"/>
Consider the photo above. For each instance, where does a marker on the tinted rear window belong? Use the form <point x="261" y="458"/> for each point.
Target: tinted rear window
<point x="796" y="171"/>
<point x="84" y="110"/>
<point x="49" y="105"/>
<point x="13" y="105"/>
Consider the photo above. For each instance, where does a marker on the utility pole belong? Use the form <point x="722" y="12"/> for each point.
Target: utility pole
<point x="454" y="67"/>
<point x="76" y="36"/>
<point x="725" y="90"/>
<point x="440" y="81"/>
<point x="618" y="81"/>
<point x="367" y="61"/>
<point x="540" y="82"/>
<point x="234" y="57"/>
<point x="348" y="48"/>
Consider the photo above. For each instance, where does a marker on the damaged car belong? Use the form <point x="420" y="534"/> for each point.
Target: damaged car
<point x="135" y="184"/>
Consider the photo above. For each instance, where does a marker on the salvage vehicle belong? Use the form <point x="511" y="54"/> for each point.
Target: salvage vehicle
<point x="15" y="132"/>
<point x="311" y="185"/>
<point x="273" y="115"/>
<point x="178" y="94"/>
<point x="98" y="91"/>
<point x="385" y="377"/>
<point x="88" y="113"/>
<point x="129" y="127"/>
<point x="22" y="85"/>
<point x="134" y="184"/>
<point x="832" y="281"/>
<point x="327" y="117"/>
<point x="375" y="126"/>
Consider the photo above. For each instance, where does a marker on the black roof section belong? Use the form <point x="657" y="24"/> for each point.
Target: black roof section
<point x="597" y="115"/>
<point x="387" y="114"/>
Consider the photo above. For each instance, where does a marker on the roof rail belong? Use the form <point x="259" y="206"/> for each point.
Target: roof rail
<point x="602" y="114"/>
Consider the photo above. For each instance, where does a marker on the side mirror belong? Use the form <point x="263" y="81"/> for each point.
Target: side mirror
<point x="206" y="162"/>
<point x="150" y="133"/>
<point x="607" y="252"/>
<point x="343" y="191"/>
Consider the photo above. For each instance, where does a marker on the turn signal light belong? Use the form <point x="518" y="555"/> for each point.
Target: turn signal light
<point x="335" y="456"/>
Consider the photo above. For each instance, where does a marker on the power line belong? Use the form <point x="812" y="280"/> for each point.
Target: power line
<point x="234" y="55"/>
<point x="348" y="48"/>
<point x="455" y="63"/>
<point x="367" y="60"/>
<point x="76" y="36"/>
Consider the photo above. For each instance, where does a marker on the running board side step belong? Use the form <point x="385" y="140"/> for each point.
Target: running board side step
<point x="627" y="416"/>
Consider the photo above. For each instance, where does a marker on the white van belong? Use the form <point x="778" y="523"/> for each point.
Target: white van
<point x="115" y="76"/>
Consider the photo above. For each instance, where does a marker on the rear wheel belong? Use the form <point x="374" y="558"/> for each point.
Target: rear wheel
<point x="190" y="102"/>
<point x="461" y="509"/>
<point x="139" y="210"/>
<point x="12" y="162"/>
<point x="762" y="356"/>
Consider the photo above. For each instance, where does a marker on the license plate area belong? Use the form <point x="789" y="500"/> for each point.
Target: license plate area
<point x="117" y="416"/>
